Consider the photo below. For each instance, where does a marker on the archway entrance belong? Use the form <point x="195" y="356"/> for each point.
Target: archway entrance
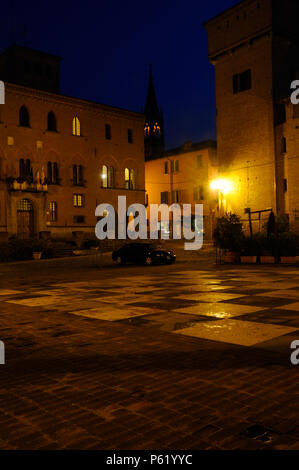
<point x="25" y="219"/>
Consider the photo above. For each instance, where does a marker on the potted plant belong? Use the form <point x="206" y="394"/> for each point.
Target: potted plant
<point x="249" y="249"/>
<point x="269" y="249"/>
<point x="37" y="249"/>
<point x="288" y="243"/>
<point x="228" y="236"/>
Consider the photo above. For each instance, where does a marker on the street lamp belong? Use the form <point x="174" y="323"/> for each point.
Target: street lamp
<point x="223" y="186"/>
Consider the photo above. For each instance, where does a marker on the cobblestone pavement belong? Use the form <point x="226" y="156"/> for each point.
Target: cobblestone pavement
<point x="189" y="356"/>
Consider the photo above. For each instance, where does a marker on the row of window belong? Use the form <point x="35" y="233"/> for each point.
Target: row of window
<point x="52" y="177"/>
<point x="108" y="180"/>
<point x="174" y="166"/>
<point x="24" y="121"/>
<point x="78" y="219"/>
<point x="176" y="195"/>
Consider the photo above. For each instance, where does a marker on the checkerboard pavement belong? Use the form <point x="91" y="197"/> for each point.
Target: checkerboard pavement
<point x="189" y="358"/>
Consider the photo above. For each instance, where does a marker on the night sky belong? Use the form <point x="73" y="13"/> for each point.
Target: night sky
<point x="106" y="47"/>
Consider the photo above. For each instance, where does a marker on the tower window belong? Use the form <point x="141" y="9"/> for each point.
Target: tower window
<point x="130" y="136"/>
<point x="24" y="120"/>
<point x="108" y="132"/>
<point x="76" y="126"/>
<point x="284" y="145"/>
<point x="147" y="129"/>
<point x="242" y="81"/>
<point x="157" y="129"/>
<point x="285" y="185"/>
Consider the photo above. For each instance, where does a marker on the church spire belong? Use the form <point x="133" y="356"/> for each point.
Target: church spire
<point x="154" y="125"/>
<point x="151" y="105"/>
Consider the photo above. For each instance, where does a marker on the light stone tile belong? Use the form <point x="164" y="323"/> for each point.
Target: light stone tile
<point x="210" y="296"/>
<point x="10" y="292"/>
<point x="115" y="314"/>
<point x="239" y="332"/>
<point x="293" y="306"/>
<point x="282" y="293"/>
<point x="220" y="310"/>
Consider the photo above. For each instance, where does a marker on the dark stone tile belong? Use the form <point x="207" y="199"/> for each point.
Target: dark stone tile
<point x="258" y="301"/>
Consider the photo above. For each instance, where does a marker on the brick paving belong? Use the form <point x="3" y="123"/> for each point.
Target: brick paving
<point x="113" y="359"/>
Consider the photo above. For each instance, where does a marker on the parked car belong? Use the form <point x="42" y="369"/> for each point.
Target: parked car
<point x="143" y="253"/>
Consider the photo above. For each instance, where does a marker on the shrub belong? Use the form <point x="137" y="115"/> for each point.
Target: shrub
<point x="228" y="233"/>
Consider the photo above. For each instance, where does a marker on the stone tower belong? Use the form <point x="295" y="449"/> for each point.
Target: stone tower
<point x="254" y="49"/>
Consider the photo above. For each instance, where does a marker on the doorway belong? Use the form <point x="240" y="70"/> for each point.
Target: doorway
<point x="25" y="219"/>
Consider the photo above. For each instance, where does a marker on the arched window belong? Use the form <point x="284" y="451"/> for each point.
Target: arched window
<point x="49" y="173"/>
<point x="55" y="173"/>
<point x="130" y="178"/>
<point x="21" y="168"/>
<point x="127" y="178"/>
<point x="78" y="175"/>
<point x="52" y="122"/>
<point x="107" y="176"/>
<point x="24" y="117"/>
<point x="146" y="129"/>
<point x="76" y="126"/>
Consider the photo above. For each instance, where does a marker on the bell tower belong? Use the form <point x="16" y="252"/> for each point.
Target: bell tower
<point x="154" y="123"/>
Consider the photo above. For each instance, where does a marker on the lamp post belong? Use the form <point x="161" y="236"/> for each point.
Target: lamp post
<point x="223" y="186"/>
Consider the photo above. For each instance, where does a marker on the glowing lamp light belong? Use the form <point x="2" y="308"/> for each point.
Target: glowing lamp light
<point x="223" y="185"/>
<point x="103" y="176"/>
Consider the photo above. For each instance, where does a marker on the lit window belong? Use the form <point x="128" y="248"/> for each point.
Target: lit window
<point x="157" y="129"/>
<point x="130" y="178"/>
<point x="107" y="177"/>
<point x="76" y="126"/>
<point x="147" y="129"/>
<point x="53" y="211"/>
<point x="78" y="200"/>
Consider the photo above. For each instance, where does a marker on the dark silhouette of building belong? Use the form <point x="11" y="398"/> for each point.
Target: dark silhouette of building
<point x="154" y="123"/>
<point x="30" y="68"/>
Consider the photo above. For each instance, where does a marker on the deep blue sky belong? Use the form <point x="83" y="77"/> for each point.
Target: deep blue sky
<point x="107" y="45"/>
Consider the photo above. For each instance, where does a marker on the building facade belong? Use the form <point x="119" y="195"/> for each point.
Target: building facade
<point x="182" y="176"/>
<point x="61" y="156"/>
<point x="254" y="49"/>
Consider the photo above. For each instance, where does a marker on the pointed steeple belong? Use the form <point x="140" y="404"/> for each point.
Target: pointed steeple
<point x="154" y="124"/>
<point x="151" y="106"/>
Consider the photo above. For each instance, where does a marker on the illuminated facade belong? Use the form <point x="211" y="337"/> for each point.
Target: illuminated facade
<point x="182" y="175"/>
<point x="254" y="49"/>
<point x="60" y="156"/>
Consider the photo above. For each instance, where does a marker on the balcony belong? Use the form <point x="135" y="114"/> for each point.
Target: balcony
<point x="25" y="186"/>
